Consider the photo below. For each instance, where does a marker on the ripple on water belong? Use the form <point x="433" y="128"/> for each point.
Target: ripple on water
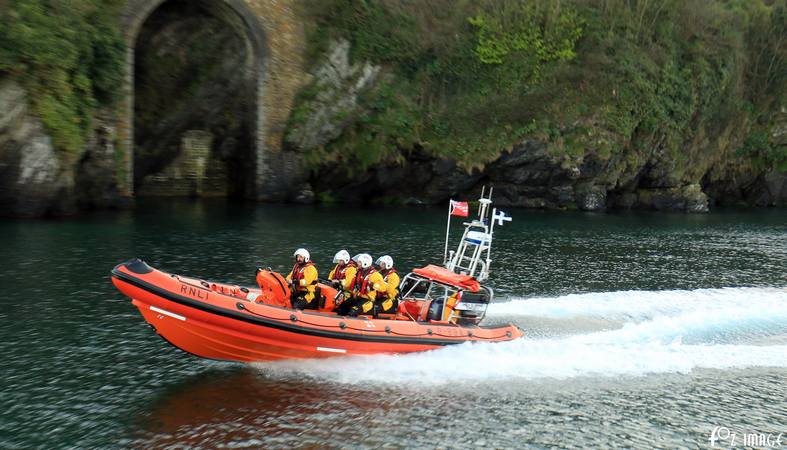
<point x="81" y="369"/>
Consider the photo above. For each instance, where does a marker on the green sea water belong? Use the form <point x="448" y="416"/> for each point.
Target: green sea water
<point x="643" y="330"/>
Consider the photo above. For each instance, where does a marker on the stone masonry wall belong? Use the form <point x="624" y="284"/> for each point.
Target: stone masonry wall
<point x="276" y="33"/>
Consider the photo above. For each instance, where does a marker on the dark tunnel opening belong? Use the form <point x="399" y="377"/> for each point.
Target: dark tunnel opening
<point x="194" y="102"/>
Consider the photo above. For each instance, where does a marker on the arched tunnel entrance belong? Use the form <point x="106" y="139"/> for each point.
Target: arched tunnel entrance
<point x="196" y="77"/>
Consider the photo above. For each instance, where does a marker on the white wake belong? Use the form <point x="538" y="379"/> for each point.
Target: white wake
<point x="661" y="332"/>
<point x="641" y="304"/>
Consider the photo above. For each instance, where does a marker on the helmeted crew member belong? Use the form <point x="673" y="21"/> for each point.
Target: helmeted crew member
<point x="387" y="302"/>
<point x="450" y="307"/>
<point x="367" y="285"/>
<point x="303" y="281"/>
<point x="343" y="274"/>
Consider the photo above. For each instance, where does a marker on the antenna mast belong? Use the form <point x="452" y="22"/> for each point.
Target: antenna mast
<point x="473" y="255"/>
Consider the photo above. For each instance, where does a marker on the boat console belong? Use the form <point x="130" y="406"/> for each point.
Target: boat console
<point x="454" y="293"/>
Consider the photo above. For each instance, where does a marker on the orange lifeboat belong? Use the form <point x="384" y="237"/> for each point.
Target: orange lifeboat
<point x="234" y="323"/>
<point x="439" y="306"/>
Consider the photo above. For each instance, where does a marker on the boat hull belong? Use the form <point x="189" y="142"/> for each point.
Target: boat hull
<point x="191" y="316"/>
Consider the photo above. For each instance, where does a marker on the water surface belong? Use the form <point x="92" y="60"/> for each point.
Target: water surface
<point x="644" y="330"/>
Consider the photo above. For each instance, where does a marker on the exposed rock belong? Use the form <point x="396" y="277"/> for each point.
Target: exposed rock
<point x="337" y="85"/>
<point x="528" y="176"/>
<point x="688" y="198"/>
<point x="593" y="167"/>
<point x="625" y="200"/>
<point x="561" y="196"/>
<point x="96" y="183"/>
<point x="659" y="172"/>
<point x="305" y="195"/>
<point x="696" y="200"/>
<point x="768" y="190"/>
<point x="527" y="164"/>
<point x="591" y="198"/>
<point x="533" y="203"/>
<point x="776" y="183"/>
<point x="412" y="201"/>
<point x="746" y="186"/>
<point x="33" y="180"/>
<point x="526" y="153"/>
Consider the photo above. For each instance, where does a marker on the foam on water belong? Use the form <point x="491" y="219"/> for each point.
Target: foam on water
<point x="666" y="332"/>
<point x="640" y="304"/>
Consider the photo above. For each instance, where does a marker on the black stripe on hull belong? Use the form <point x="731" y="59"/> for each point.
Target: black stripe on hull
<point x="176" y="298"/>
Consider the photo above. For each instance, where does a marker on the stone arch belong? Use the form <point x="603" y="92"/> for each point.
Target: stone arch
<point x="238" y="14"/>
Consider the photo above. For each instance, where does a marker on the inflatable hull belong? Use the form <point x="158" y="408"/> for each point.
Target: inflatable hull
<point x="211" y="321"/>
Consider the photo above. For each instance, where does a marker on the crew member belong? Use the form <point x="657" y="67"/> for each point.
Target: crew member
<point x="367" y="285"/>
<point x="450" y="307"/>
<point x="303" y="281"/>
<point x="388" y="301"/>
<point x="343" y="274"/>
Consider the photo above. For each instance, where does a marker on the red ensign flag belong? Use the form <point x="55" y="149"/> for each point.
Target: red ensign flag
<point x="459" y="209"/>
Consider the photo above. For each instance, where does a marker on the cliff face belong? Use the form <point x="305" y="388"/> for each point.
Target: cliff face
<point x="35" y="179"/>
<point x="527" y="176"/>
<point x="730" y="184"/>
<point x="534" y="174"/>
<point x="32" y="179"/>
<point x="567" y="104"/>
<point x="583" y="107"/>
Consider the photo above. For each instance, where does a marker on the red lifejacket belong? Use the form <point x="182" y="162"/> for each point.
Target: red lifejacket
<point x="338" y="274"/>
<point x="362" y="280"/>
<point x="298" y="272"/>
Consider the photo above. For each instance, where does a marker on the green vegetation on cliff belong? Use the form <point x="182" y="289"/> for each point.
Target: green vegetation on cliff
<point x="698" y="80"/>
<point x="69" y="56"/>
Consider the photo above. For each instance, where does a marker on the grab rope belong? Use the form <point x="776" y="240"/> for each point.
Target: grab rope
<point x="387" y="330"/>
<point x="342" y="325"/>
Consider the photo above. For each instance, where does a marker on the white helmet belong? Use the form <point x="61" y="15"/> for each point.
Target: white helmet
<point x="387" y="260"/>
<point x="365" y="260"/>
<point x="301" y="252"/>
<point x="355" y="258"/>
<point x="343" y="256"/>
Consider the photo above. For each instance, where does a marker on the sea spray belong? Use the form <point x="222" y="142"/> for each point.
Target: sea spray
<point x="662" y="332"/>
<point x="639" y="304"/>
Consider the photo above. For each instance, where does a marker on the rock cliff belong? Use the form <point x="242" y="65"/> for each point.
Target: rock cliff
<point x="592" y="112"/>
<point x="572" y="105"/>
<point x="35" y="179"/>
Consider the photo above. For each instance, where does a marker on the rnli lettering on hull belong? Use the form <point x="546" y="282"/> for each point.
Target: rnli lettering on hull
<point x="193" y="292"/>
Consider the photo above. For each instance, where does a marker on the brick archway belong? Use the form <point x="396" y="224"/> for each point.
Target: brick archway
<point x="238" y="15"/>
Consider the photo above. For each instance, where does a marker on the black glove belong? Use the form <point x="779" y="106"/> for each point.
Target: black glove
<point x="337" y="284"/>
